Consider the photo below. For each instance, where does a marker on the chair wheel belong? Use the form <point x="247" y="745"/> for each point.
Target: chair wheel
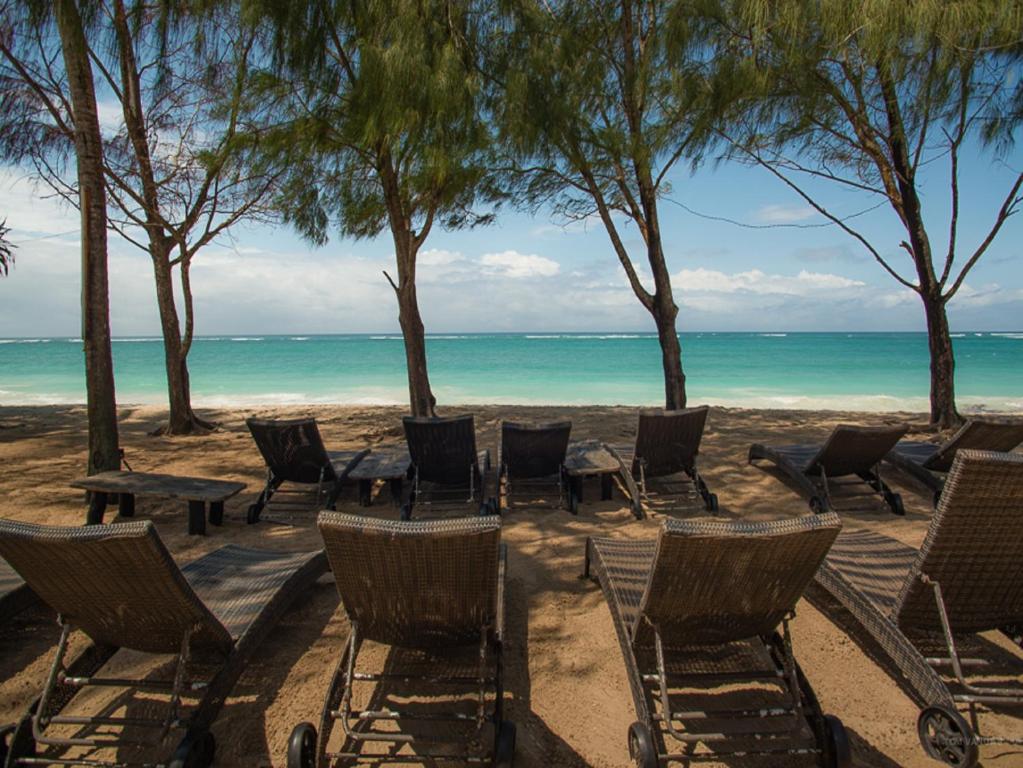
<point x="20" y="744"/>
<point x="895" y="502"/>
<point x="252" y="514"/>
<point x="712" y="502"/>
<point x="837" y="753"/>
<point x="817" y="505"/>
<point x="302" y="746"/>
<point x="504" y="745"/>
<point x="641" y="746"/>
<point x="406" y="512"/>
<point x="946" y="736"/>
<point x="196" y="750"/>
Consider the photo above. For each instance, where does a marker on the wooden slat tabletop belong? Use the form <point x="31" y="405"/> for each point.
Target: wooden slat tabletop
<point x="168" y="486"/>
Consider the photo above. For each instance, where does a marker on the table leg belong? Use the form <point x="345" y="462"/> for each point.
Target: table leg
<point x="97" y="506"/>
<point x="577" y="486"/>
<point x="397" y="489"/>
<point x="365" y="492"/>
<point x="196" y="518"/>
<point x="126" y="505"/>
<point x="217" y="512"/>
<point x="605" y="486"/>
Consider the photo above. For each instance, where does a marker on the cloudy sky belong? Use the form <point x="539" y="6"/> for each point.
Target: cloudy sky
<point x="782" y="270"/>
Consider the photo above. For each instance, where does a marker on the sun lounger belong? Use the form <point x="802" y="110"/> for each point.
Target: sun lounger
<point x="924" y="607"/>
<point x="929" y="462"/>
<point x="294" y="453"/>
<point x="447" y="470"/>
<point x="118" y="584"/>
<point x="697" y="613"/>
<point x="15" y="594"/>
<point x="428" y="589"/>
<point x="667" y="444"/>
<point x="531" y="460"/>
<point x="849" y="450"/>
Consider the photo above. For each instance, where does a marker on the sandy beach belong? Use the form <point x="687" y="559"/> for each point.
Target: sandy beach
<point x="566" y="683"/>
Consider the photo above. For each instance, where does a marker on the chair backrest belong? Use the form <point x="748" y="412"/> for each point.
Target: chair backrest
<point x="668" y="441"/>
<point x="850" y="450"/>
<point x="534" y="450"/>
<point x="442" y="450"/>
<point x="717" y="582"/>
<point x="973" y="549"/>
<point x="979" y="434"/>
<point x="415" y="583"/>
<point x="292" y="449"/>
<point x="117" y="583"/>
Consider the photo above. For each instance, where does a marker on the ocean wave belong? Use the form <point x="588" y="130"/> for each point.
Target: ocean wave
<point x="246" y="338"/>
<point x="1008" y="335"/>
<point x="299" y="338"/>
<point x="447" y="336"/>
<point x="140" y="339"/>
<point x="957" y="335"/>
<point x="386" y="338"/>
<point x="773" y="335"/>
<point x="589" y="336"/>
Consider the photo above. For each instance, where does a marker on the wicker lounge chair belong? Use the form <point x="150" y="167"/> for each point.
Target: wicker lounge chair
<point x="667" y="444"/>
<point x="849" y="450"/>
<point x="15" y="594"/>
<point x="697" y="613"/>
<point x="447" y="470"/>
<point x="924" y="608"/>
<point x="118" y="584"/>
<point x="929" y="462"/>
<point x="531" y="460"/>
<point x="428" y="589"/>
<point x="294" y="453"/>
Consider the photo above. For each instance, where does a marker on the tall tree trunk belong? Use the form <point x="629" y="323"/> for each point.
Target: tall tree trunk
<point x="421" y="399"/>
<point x="104" y="448"/>
<point x="939" y="342"/>
<point x="664" y="313"/>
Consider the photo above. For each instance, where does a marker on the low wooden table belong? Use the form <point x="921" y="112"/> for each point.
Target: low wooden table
<point x="588" y="458"/>
<point x="197" y="491"/>
<point x="391" y="463"/>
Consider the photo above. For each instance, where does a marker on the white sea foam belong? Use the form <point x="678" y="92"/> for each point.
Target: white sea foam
<point x="140" y="339"/>
<point x="386" y="338"/>
<point x="300" y="338"/>
<point x="1008" y="335"/>
<point x="773" y="335"/>
<point x="246" y="338"/>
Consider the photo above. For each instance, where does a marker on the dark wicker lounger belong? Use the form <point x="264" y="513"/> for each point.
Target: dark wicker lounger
<point x="447" y="470"/>
<point x="531" y="461"/>
<point x="15" y="594"/>
<point x="667" y="444"/>
<point x="929" y="463"/>
<point x="293" y="451"/>
<point x="697" y="613"/>
<point x="119" y="585"/>
<point x="849" y="450"/>
<point x="427" y="589"/>
<point x="918" y="606"/>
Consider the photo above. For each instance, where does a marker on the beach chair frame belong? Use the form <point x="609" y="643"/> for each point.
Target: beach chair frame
<point x="294" y="452"/>
<point x="531" y="460"/>
<point x="668" y="444"/>
<point x="651" y="683"/>
<point x="206" y="640"/>
<point x="809" y="469"/>
<point x="307" y="746"/>
<point x="923" y="606"/>
<point x="447" y="471"/>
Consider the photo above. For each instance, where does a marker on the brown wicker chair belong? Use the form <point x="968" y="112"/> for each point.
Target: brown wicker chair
<point x="531" y="460"/>
<point x="697" y="613"/>
<point x="432" y="587"/>
<point x="849" y="450"/>
<point x="667" y="444"/>
<point x="118" y="584"/>
<point x="15" y="594"/>
<point x="929" y="462"/>
<point x="923" y="607"/>
<point x="293" y="451"/>
<point x="447" y="470"/>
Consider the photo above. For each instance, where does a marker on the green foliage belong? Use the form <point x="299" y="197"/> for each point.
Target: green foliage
<point x="6" y="249"/>
<point x="378" y="114"/>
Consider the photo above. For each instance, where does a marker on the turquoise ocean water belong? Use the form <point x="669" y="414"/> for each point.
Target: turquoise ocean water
<point x="861" y="371"/>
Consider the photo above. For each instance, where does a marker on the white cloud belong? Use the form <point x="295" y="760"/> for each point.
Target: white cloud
<point x="784" y="214"/>
<point x="433" y="257"/>
<point x="519" y="265"/>
<point x="27" y="212"/>
<point x="757" y="282"/>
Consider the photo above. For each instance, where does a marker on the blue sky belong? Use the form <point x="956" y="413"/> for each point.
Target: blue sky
<point x="530" y="273"/>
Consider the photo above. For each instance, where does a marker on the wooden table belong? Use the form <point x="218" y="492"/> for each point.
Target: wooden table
<point x="589" y="458"/>
<point x="387" y="462"/>
<point x="197" y="491"/>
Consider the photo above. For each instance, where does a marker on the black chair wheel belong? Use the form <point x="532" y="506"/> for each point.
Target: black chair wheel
<point x="302" y="746"/>
<point x="895" y="502"/>
<point x="946" y="736"/>
<point x="196" y="750"/>
<point x="817" y="505"/>
<point x="252" y="514"/>
<point x="504" y="745"/>
<point x="406" y="512"/>
<point x="712" y="502"/>
<point x="641" y="746"/>
<point x="837" y="753"/>
<point x="20" y="744"/>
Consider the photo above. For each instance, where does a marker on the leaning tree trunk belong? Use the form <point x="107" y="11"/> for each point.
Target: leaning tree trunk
<point x="664" y="313"/>
<point x="421" y="399"/>
<point x="104" y="449"/>
<point x="939" y="342"/>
